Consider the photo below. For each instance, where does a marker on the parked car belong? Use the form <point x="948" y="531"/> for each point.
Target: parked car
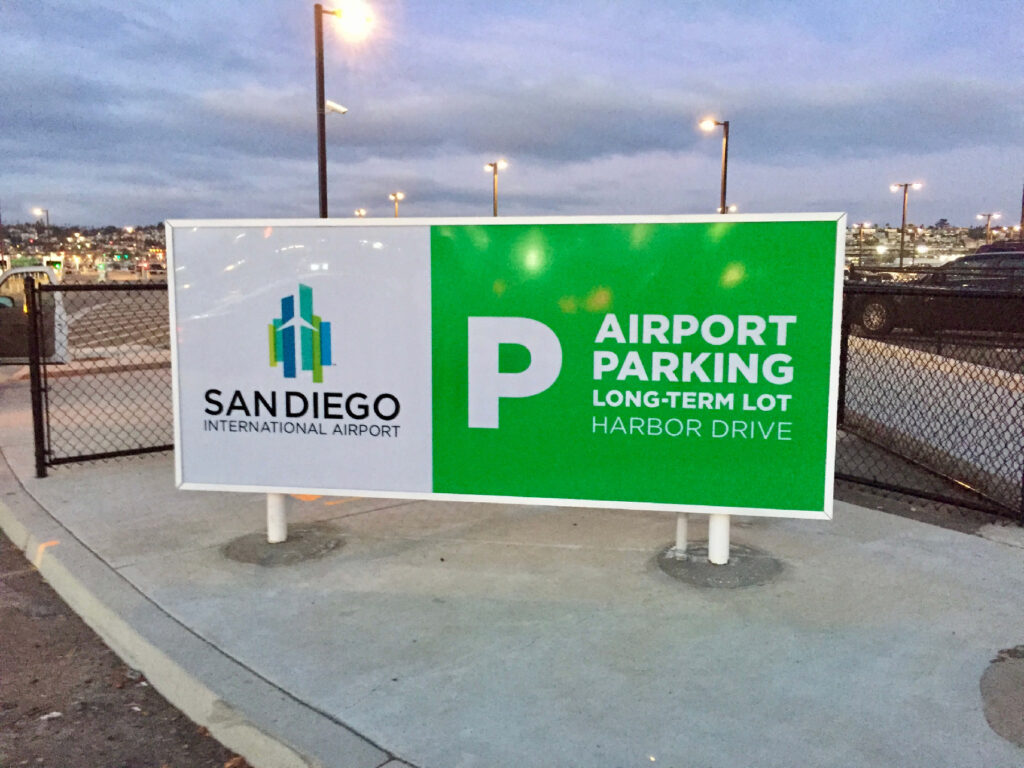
<point x="980" y="292"/>
<point x="14" y="317"/>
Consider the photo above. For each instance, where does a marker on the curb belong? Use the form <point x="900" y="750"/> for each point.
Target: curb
<point x="241" y="710"/>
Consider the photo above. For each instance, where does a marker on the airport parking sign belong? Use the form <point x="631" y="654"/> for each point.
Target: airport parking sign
<point x="684" y="363"/>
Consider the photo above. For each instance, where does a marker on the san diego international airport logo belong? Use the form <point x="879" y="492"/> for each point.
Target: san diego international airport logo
<point x="314" y="342"/>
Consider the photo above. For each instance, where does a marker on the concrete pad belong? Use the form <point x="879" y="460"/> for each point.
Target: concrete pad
<point x="163" y="520"/>
<point x="466" y="635"/>
<point x="511" y="647"/>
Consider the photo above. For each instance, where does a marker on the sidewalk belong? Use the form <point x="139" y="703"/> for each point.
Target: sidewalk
<point x="447" y="635"/>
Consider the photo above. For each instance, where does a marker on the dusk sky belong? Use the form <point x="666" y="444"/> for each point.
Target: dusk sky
<point x="135" y="112"/>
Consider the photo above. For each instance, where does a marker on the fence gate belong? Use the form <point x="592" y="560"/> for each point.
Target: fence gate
<point x="100" y="368"/>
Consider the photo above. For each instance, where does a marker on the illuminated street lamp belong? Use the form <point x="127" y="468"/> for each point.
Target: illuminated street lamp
<point x="497" y="165"/>
<point x="906" y="185"/>
<point x="394" y="197"/>
<point x="355" y="22"/>
<point x="360" y="213"/>
<point x="709" y="124"/>
<point x="42" y="212"/>
<point x="731" y="209"/>
<point x="988" y="224"/>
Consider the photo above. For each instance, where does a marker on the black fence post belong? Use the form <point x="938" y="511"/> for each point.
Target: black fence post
<point x="844" y="354"/>
<point x="35" y="363"/>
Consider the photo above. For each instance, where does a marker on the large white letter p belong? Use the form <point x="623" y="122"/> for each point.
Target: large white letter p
<point x="487" y="385"/>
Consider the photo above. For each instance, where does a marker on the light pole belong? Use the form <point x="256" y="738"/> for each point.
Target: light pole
<point x="360" y="213"/>
<point x="1020" y="227"/>
<point x="497" y="165"/>
<point x="321" y="112"/>
<point x="394" y="197"/>
<point x="42" y="212"/>
<point x="988" y="224"/>
<point x="906" y="185"/>
<point x="356" y="22"/>
<point x="709" y="124"/>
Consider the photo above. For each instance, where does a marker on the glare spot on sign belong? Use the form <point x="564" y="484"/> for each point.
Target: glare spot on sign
<point x="479" y="237"/>
<point x="529" y="253"/>
<point x="304" y="497"/>
<point x="733" y="275"/>
<point x="640" y="236"/>
<point x="378" y="246"/>
<point x="718" y="232"/>
<point x="267" y="232"/>
<point x="499" y="287"/>
<point x="568" y="305"/>
<point x="599" y="299"/>
<point x="533" y="260"/>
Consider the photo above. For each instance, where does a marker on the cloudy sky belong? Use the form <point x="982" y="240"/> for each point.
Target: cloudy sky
<point x="133" y="112"/>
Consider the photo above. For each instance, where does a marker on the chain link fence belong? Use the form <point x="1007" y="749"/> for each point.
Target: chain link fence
<point x="932" y="390"/>
<point x="102" y="382"/>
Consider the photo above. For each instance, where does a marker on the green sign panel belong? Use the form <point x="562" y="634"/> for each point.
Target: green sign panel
<point x="650" y="363"/>
<point x="682" y="363"/>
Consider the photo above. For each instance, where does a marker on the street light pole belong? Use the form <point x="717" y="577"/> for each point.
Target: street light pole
<point x="903" y="227"/>
<point x="988" y="224"/>
<point x="321" y="108"/>
<point x="495" y="192"/>
<point x="395" y="197"/>
<point x="355" y="23"/>
<point x="709" y="124"/>
<point x="725" y="161"/>
<point x="497" y="165"/>
<point x="1022" y="216"/>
